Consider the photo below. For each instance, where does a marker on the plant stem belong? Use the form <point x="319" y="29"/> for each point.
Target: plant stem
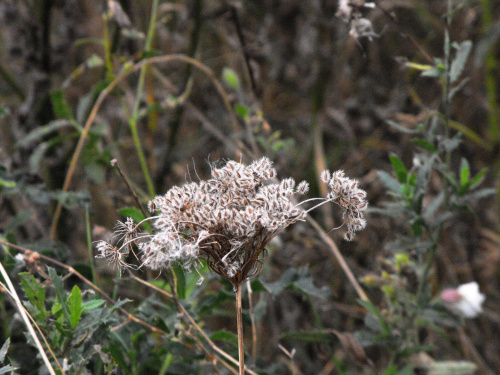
<point x="89" y="244"/>
<point x="252" y="320"/>
<point x="239" y="320"/>
<point x="140" y="89"/>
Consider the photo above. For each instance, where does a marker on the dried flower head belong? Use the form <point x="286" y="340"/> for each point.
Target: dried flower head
<point x="350" y="198"/>
<point x="227" y="220"/>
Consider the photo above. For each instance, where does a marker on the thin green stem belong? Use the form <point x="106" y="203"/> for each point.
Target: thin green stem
<point x="107" y="48"/>
<point x="89" y="244"/>
<point x="140" y="89"/>
<point x="166" y="363"/>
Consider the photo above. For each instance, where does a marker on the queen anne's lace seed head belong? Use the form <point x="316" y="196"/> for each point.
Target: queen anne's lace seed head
<point x="348" y="196"/>
<point x="227" y="220"/>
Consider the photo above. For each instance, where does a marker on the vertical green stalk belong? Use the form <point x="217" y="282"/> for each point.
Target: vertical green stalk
<point x="89" y="244"/>
<point x="166" y="363"/>
<point x="140" y="89"/>
<point x="107" y="48"/>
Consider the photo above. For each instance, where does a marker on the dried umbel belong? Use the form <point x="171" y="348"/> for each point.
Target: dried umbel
<point x="348" y="196"/>
<point x="229" y="219"/>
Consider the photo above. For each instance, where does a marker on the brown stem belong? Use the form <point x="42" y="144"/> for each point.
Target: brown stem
<point x="252" y="320"/>
<point x="131" y="190"/>
<point x="241" y="351"/>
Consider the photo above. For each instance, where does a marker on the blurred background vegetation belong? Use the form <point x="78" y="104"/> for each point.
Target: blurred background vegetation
<point x="284" y="79"/>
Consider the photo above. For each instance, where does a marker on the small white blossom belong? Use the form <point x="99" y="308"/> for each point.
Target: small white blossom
<point x="466" y="300"/>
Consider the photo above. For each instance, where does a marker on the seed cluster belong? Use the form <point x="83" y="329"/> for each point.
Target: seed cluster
<point x="228" y="220"/>
<point x="348" y="196"/>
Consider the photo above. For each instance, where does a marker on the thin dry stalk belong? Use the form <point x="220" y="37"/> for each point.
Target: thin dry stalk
<point x="252" y="321"/>
<point x="338" y="256"/>
<point x="241" y="350"/>
<point x="26" y="320"/>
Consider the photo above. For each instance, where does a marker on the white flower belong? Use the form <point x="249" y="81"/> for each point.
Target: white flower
<point x="466" y="300"/>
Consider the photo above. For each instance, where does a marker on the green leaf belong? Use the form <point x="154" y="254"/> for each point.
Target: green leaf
<point x="391" y="183"/>
<point x="402" y="129"/>
<point x="92" y="305"/>
<point x="225" y="336"/>
<point x="458" y="63"/>
<point x="181" y="282"/>
<point x="75" y="306"/>
<point x="3" y="350"/>
<point x="34" y="291"/>
<point x="17" y="221"/>
<point x="478" y="179"/>
<point x="42" y="131"/>
<point x="373" y="309"/>
<point x="6" y="369"/>
<point x="399" y="168"/>
<point x="231" y="78"/>
<point x="60" y="105"/>
<point x="7" y="184"/>
<point x="464" y="172"/>
<point x="425" y="145"/>
<point x="94" y="61"/>
<point x="57" y="282"/>
<point x="299" y="280"/>
<point x="241" y="111"/>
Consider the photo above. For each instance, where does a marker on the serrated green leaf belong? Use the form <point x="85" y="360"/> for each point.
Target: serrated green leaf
<point x="399" y="168"/>
<point x="75" y="306"/>
<point x="34" y="291"/>
<point x="464" y="172"/>
<point x="231" y="78"/>
<point x="57" y="282"/>
<point x="425" y="145"/>
<point x="458" y="63"/>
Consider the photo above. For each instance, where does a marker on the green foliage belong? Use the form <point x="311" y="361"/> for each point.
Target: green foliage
<point x="3" y="352"/>
<point x="231" y="78"/>
<point x="423" y="215"/>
